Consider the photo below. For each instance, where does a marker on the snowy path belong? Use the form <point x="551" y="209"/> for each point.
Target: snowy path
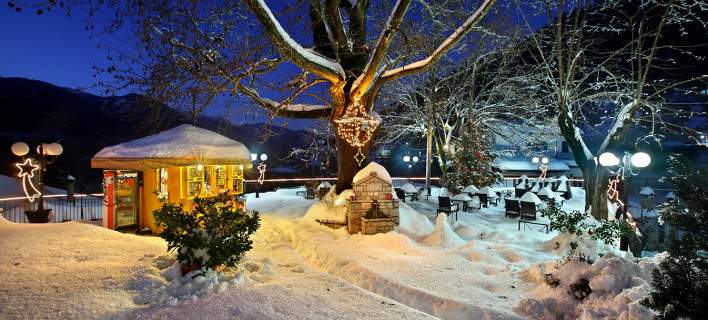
<point x="79" y="271"/>
<point x="74" y="270"/>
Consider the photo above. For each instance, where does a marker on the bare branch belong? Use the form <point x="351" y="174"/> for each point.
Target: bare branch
<point x="304" y="58"/>
<point x="450" y="42"/>
<point x="363" y="82"/>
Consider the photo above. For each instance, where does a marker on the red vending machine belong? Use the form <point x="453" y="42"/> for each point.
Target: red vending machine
<point x="121" y="192"/>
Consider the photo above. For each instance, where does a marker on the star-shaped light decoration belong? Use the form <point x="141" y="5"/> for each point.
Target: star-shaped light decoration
<point x="261" y="170"/>
<point x="27" y="170"/>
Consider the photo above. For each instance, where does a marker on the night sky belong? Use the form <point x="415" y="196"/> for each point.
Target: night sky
<point x="58" y="49"/>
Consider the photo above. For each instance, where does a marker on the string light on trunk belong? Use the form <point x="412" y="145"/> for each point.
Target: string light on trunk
<point x="356" y="127"/>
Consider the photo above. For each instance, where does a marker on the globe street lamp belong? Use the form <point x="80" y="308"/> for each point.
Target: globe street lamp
<point x="410" y="161"/>
<point x="542" y="163"/>
<point x="261" y="169"/>
<point x="46" y="154"/>
<point x="622" y="169"/>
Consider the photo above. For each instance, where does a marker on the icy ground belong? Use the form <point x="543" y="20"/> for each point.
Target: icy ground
<point x="479" y="267"/>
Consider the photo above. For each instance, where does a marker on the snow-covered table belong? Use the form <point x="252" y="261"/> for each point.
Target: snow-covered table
<point x="463" y="201"/>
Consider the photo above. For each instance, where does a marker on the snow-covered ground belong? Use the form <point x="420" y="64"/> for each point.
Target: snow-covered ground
<point x="479" y="267"/>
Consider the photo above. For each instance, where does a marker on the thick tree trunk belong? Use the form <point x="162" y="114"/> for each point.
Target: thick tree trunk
<point x="347" y="165"/>
<point x="596" y="186"/>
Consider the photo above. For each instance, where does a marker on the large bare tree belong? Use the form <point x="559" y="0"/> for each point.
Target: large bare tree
<point x="610" y="65"/>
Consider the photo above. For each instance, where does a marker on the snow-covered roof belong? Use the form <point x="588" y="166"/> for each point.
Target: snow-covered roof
<point x="372" y="168"/>
<point x="179" y="146"/>
<point x="525" y="164"/>
<point x="11" y="187"/>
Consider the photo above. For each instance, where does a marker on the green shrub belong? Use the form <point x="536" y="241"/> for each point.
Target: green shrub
<point x="574" y="223"/>
<point x="215" y="232"/>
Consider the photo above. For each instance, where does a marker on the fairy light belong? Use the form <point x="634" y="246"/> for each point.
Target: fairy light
<point x="614" y="193"/>
<point x="261" y="171"/>
<point x="357" y="128"/>
<point x="27" y="170"/>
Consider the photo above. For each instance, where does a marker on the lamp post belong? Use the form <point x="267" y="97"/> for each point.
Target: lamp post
<point x="261" y="169"/>
<point x="622" y="169"/>
<point x="46" y="154"/>
<point x="542" y="164"/>
<point x="410" y="161"/>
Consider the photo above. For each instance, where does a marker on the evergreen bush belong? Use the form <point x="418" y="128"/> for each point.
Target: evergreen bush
<point x="215" y="232"/>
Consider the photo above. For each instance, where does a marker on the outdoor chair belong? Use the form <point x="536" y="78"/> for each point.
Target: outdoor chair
<point x="309" y="192"/>
<point x="646" y="204"/>
<point x="400" y="194"/>
<point x="528" y="210"/>
<point x="494" y="200"/>
<point x="519" y="192"/>
<point x="424" y="193"/>
<point x="483" y="200"/>
<point x="567" y="194"/>
<point x="445" y="205"/>
<point x="511" y="208"/>
<point x="543" y="197"/>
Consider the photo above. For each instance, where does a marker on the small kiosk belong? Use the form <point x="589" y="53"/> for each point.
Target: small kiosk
<point x="174" y="166"/>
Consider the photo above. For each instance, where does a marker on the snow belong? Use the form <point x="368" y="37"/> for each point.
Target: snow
<point x="181" y="145"/>
<point x="646" y="191"/>
<point x="618" y="285"/>
<point x="471" y="189"/>
<point x="530" y="197"/>
<point x="479" y="267"/>
<point x="443" y="235"/>
<point x="546" y="191"/>
<point x="461" y="197"/>
<point x="521" y="185"/>
<point x="409" y="188"/>
<point x="519" y="163"/>
<point x="670" y="195"/>
<point x="324" y="185"/>
<point x="373" y="168"/>
<point x="444" y="192"/>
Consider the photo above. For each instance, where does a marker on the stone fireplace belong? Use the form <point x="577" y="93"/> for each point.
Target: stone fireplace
<point x="372" y="209"/>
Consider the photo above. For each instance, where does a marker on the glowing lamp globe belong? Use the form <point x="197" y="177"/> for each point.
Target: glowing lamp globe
<point x="54" y="149"/>
<point x="544" y="160"/>
<point x="608" y="159"/>
<point x="264" y="157"/>
<point x="44" y="148"/>
<point x="640" y="160"/>
<point x="535" y="159"/>
<point x="254" y="157"/>
<point x="19" y="149"/>
<point x="406" y="158"/>
<point x="415" y="158"/>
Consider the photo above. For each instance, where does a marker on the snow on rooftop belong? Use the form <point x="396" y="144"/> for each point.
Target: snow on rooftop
<point x="524" y="164"/>
<point x="372" y="168"/>
<point x="181" y="145"/>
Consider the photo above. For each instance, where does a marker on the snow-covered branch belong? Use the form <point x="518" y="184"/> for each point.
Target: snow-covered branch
<point x="304" y="58"/>
<point x="441" y="50"/>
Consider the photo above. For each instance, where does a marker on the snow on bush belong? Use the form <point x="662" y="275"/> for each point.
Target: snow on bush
<point x="164" y="284"/>
<point x="333" y="207"/>
<point x="609" y="288"/>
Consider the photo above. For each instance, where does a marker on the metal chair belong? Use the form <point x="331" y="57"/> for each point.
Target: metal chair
<point x="511" y="208"/>
<point x="528" y="210"/>
<point x="445" y="205"/>
<point x="400" y="194"/>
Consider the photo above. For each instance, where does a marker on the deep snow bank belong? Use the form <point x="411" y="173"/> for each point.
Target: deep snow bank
<point x="617" y="284"/>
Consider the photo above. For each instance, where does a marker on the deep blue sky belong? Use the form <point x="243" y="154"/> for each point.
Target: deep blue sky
<point x="56" y="48"/>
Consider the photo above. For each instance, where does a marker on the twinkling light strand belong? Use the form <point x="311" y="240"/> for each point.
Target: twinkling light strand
<point x="357" y="128"/>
